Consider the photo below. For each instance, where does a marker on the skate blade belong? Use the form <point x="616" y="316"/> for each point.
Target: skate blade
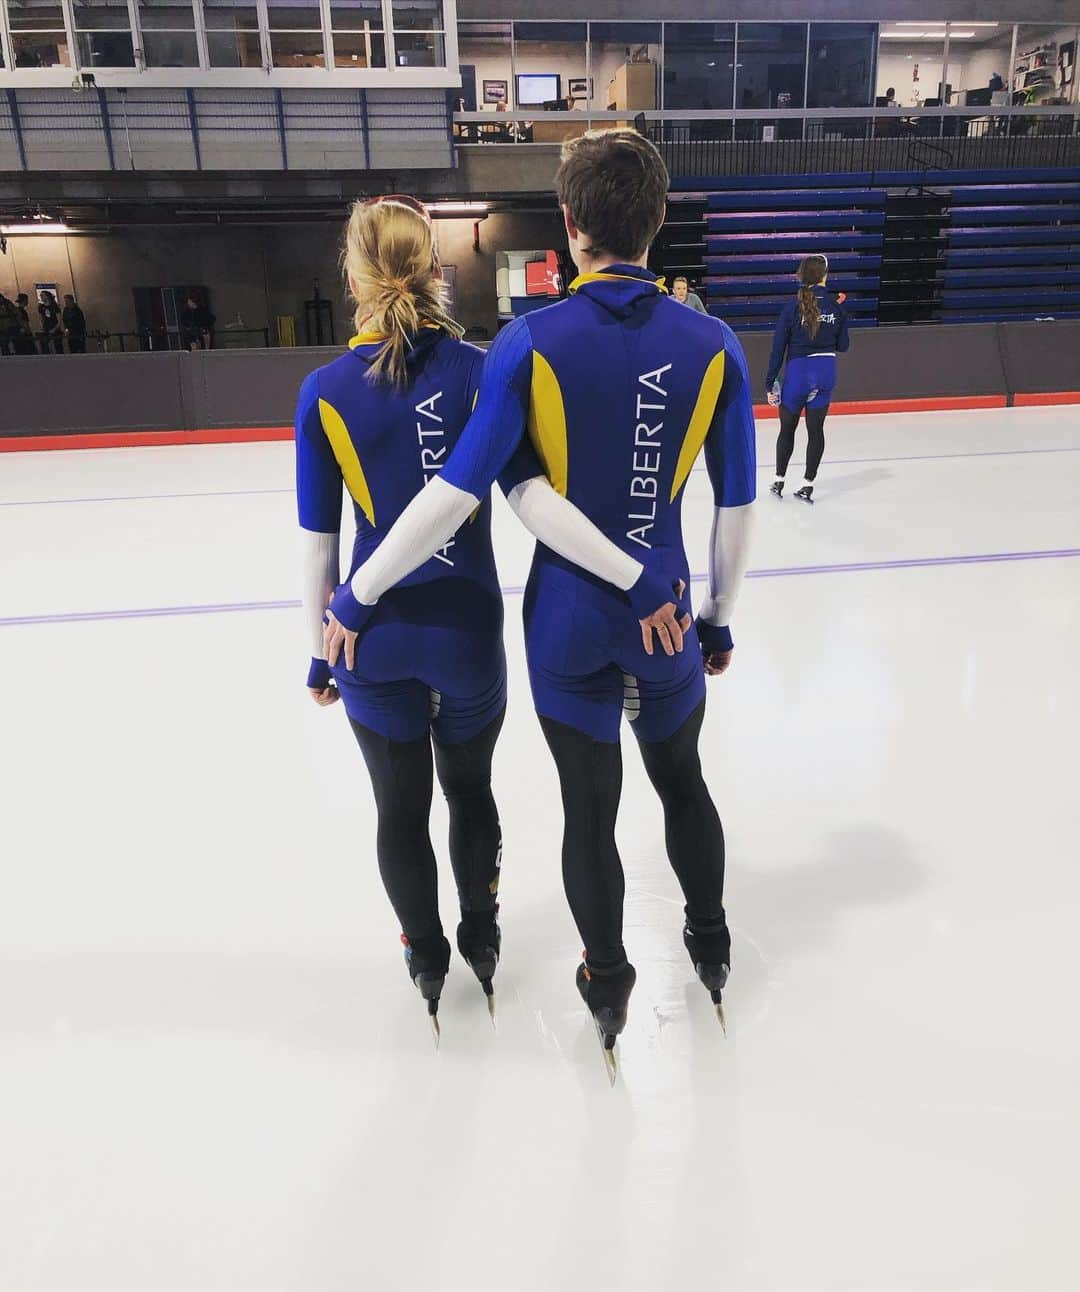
<point x="491" y="1009"/>
<point x="607" y="1044"/>
<point x="720" y="1016"/>
<point x="436" y="1029"/>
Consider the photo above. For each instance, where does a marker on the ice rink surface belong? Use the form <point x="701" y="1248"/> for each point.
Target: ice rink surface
<point x="215" y="1076"/>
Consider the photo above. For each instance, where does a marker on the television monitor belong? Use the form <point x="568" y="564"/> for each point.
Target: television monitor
<point x="537" y="88"/>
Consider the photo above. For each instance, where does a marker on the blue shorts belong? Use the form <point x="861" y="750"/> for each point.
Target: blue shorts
<point x="809" y="382"/>
<point x="595" y="703"/>
<point x="430" y="660"/>
<point x="587" y="666"/>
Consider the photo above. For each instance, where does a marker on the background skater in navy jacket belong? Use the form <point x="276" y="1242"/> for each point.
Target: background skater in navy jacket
<point x="810" y="332"/>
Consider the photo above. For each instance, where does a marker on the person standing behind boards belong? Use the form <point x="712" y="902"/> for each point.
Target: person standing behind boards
<point x="680" y="289"/>
<point x="24" y="341"/>
<point x="51" y="335"/>
<point x="197" y="325"/>
<point x="74" y="326"/>
<point x="9" y="325"/>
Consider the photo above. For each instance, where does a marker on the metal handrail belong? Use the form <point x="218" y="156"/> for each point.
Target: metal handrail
<point x="782" y="114"/>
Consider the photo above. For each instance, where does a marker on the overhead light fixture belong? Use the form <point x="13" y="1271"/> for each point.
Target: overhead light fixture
<point x="457" y="208"/>
<point x="33" y="227"/>
<point x="961" y="35"/>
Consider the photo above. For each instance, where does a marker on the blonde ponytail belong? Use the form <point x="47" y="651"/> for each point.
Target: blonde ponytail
<point x="394" y="277"/>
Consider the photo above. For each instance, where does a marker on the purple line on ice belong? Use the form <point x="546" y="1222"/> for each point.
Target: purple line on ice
<point x="515" y="590"/>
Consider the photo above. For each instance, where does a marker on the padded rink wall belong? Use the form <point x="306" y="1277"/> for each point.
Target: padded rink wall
<point x="94" y="401"/>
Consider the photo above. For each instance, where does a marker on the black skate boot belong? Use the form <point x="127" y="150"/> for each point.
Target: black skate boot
<point x="479" y="939"/>
<point x="709" y="948"/>
<point x="777" y="488"/>
<point x="806" y="494"/>
<point x="428" y="961"/>
<point x="606" y="993"/>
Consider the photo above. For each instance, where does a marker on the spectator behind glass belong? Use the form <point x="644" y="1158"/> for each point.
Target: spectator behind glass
<point x="197" y="326"/>
<point x="24" y="342"/>
<point x="74" y="326"/>
<point x="890" y="97"/>
<point x="52" y="332"/>
<point x="680" y="289"/>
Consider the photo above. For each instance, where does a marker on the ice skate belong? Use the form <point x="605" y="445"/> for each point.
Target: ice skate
<point x="607" y="995"/>
<point x="428" y="961"/>
<point x="479" y="939"/>
<point x="709" y="948"/>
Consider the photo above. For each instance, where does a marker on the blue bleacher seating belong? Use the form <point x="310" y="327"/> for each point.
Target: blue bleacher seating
<point x="1011" y="241"/>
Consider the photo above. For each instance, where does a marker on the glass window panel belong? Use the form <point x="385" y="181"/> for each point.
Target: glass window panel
<point x="979" y="64"/>
<point x="96" y="15"/>
<point x="234" y="48"/>
<point x="105" y="49"/>
<point x="294" y="17"/>
<point x="699" y="65"/>
<point x="910" y="59"/>
<point x="297" y="49"/>
<point x="484" y="53"/>
<point x="771" y="70"/>
<point x="35" y="15"/>
<point x="1045" y="70"/>
<point x="41" y="49"/>
<point x="420" y="49"/>
<point x="549" y="58"/>
<point x="841" y="64"/>
<point x="170" y="49"/>
<point x="356" y="15"/>
<point x="230" y="17"/>
<point x="625" y="65"/>
<point x="353" y="49"/>
<point x="165" y="17"/>
<point x="418" y="15"/>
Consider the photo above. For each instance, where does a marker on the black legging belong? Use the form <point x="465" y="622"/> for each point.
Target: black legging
<point x="401" y="777"/>
<point x="590" y="775"/>
<point x="815" y="433"/>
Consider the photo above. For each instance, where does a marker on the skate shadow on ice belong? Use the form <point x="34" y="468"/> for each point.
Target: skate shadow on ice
<point x="862" y="866"/>
<point x="852" y="482"/>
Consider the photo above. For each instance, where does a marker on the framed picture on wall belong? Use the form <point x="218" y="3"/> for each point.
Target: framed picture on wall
<point x="579" y="87"/>
<point x="495" y="91"/>
<point x="41" y="288"/>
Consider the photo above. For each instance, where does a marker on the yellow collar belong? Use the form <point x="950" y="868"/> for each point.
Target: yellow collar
<point x="370" y="338"/>
<point x="601" y="277"/>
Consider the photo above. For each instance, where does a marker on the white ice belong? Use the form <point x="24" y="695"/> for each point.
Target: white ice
<point x="215" y="1076"/>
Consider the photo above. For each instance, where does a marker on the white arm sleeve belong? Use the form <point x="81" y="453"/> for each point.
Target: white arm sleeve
<point x="729" y="552"/>
<point x="321" y="574"/>
<point x="428" y="523"/>
<point x="558" y="524"/>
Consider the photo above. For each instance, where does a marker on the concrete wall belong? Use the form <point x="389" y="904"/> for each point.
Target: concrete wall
<point x="254" y="273"/>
